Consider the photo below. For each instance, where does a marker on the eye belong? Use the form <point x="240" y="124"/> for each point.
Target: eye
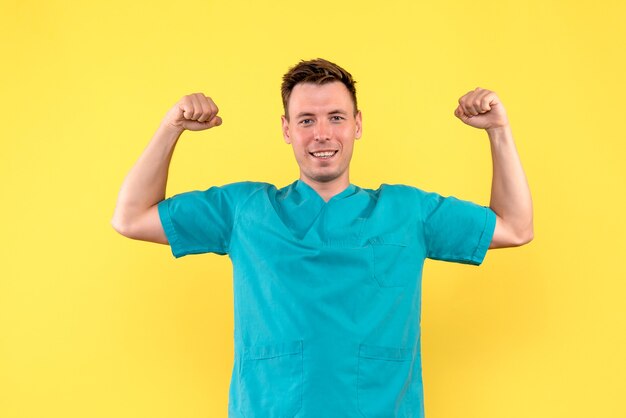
<point x="337" y="118"/>
<point x="306" y="121"/>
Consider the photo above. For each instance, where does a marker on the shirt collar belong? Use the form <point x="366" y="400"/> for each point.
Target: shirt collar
<point x="308" y="191"/>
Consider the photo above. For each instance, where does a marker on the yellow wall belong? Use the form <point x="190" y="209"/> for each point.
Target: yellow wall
<point x="96" y="325"/>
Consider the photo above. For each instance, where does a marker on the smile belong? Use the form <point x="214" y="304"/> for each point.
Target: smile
<point x="324" y="154"/>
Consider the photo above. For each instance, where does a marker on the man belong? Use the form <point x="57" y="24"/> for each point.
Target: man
<point x="327" y="275"/>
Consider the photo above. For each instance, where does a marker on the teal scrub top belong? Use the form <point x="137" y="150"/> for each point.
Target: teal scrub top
<point x="327" y="295"/>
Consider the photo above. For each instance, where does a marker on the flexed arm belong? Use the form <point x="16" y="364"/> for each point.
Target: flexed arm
<point x="136" y="215"/>
<point x="510" y="194"/>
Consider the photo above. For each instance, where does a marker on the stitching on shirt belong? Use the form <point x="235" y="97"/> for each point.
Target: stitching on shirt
<point x="480" y="240"/>
<point x="168" y="226"/>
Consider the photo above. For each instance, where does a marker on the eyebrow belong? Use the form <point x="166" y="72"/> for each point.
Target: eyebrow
<point x="332" y="112"/>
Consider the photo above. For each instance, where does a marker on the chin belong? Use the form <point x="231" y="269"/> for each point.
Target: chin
<point x="324" y="177"/>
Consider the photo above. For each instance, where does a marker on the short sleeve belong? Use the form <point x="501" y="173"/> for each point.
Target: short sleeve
<point x="457" y="230"/>
<point x="201" y="221"/>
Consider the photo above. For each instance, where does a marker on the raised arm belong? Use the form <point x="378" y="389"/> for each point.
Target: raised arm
<point x="510" y="194"/>
<point x="136" y="215"/>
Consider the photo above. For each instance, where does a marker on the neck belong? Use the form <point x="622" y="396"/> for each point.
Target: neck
<point x="327" y="189"/>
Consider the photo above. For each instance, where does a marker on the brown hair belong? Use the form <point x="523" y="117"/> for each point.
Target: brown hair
<point x="318" y="71"/>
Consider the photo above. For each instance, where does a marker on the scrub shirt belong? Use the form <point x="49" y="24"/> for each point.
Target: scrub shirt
<point x="326" y="294"/>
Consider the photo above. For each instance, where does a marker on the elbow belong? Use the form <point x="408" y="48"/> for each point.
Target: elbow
<point x="525" y="232"/>
<point x="528" y="237"/>
<point x="119" y="226"/>
<point x="525" y="237"/>
<point x="529" y="233"/>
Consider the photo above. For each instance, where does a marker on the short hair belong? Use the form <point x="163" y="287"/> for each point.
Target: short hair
<point x="317" y="71"/>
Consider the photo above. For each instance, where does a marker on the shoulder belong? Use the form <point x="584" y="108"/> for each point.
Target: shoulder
<point x="399" y="191"/>
<point x="245" y="188"/>
<point x="402" y="197"/>
<point x="227" y="194"/>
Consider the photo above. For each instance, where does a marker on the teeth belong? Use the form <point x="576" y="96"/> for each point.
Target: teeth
<point x="324" y="154"/>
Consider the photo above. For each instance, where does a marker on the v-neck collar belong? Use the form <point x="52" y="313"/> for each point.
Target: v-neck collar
<point x="306" y="190"/>
<point x="299" y="206"/>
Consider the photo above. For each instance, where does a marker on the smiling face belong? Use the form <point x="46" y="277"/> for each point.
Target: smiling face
<point x="321" y="129"/>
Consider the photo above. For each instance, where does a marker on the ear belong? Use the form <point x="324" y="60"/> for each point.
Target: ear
<point x="285" y="123"/>
<point x="359" y="125"/>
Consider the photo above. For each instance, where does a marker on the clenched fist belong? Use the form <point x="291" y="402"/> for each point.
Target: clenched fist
<point x="482" y="109"/>
<point x="194" y="112"/>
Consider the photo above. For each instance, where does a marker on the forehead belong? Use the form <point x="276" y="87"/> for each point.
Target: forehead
<point x="311" y="97"/>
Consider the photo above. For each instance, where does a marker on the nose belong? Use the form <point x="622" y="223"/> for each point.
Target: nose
<point x="321" y="131"/>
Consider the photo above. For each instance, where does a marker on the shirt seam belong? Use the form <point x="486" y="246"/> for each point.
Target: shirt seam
<point x="484" y="239"/>
<point x="168" y="226"/>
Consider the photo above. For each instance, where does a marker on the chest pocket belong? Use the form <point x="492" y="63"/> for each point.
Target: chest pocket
<point x="396" y="262"/>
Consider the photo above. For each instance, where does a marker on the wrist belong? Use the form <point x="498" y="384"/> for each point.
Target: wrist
<point x="499" y="133"/>
<point x="171" y="131"/>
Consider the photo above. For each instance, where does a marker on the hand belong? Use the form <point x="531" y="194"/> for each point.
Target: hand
<point x="194" y="112"/>
<point x="482" y="109"/>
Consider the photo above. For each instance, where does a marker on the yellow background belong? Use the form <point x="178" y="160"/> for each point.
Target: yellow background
<point x="96" y="325"/>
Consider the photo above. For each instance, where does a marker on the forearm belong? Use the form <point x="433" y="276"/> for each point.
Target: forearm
<point x="510" y="194"/>
<point x="145" y="184"/>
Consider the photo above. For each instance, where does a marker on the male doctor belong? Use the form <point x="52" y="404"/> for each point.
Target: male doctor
<point x="327" y="275"/>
